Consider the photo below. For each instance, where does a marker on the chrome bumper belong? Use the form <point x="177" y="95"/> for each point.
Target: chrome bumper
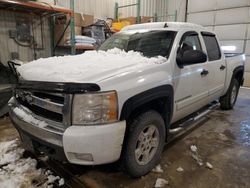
<point x="46" y="134"/>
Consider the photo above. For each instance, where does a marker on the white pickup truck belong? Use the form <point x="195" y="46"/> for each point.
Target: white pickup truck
<point x="109" y="105"/>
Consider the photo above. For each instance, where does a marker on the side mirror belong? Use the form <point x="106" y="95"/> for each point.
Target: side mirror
<point x="191" y="57"/>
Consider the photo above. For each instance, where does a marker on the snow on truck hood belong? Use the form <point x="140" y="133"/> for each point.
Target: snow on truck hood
<point x="91" y="66"/>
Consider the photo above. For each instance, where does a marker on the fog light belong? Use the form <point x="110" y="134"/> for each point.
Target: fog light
<point x="84" y="156"/>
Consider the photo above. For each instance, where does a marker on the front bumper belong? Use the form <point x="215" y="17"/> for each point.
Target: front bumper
<point x="86" y="145"/>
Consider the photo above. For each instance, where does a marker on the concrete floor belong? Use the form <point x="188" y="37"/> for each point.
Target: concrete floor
<point x="223" y="140"/>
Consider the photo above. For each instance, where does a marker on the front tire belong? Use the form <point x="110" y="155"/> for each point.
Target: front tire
<point x="227" y="101"/>
<point x="144" y="144"/>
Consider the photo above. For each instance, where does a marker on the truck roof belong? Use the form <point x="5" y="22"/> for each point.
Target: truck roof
<point x="165" y="25"/>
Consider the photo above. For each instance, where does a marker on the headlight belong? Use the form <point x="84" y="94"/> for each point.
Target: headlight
<point x="95" y="108"/>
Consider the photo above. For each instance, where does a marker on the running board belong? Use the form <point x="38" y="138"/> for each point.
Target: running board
<point x="193" y="119"/>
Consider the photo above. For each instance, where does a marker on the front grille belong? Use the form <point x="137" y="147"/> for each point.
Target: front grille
<point x="50" y="106"/>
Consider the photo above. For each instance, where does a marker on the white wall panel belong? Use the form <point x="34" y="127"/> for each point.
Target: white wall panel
<point x="247" y="50"/>
<point x="247" y="65"/>
<point x="180" y="6"/>
<point x="233" y="32"/>
<point x="232" y="16"/>
<point x="230" y="19"/>
<point x="210" y="28"/>
<point x="231" y="3"/>
<point x="201" y="5"/>
<point x="148" y="7"/>
<point x="248" y="31"/>
<point x="239" y="45"/>
<point x="205" y="19"/>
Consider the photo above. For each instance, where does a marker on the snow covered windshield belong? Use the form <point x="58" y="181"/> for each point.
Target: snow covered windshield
<point x="150" y="44"/>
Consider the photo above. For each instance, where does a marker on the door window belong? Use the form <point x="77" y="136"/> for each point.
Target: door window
<point x="213" y="49"/>
<point x="189" y="41"/>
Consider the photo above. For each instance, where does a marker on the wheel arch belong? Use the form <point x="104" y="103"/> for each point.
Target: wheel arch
<point x="238" y="73"/>
<point x="159" y="99"/>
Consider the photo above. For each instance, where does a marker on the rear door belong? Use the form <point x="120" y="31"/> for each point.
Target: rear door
<point x="216" y="64"/>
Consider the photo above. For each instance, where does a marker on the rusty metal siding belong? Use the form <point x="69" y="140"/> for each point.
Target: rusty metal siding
<point x="8" y="45"/>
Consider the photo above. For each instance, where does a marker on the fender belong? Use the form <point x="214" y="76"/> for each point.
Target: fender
<point x="236" y="71"/>
<point x="147" y="96"/>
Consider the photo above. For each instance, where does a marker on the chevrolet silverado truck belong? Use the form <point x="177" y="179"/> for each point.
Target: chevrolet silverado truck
<point x="126" y="112"/>
<point x="7" y="80"/>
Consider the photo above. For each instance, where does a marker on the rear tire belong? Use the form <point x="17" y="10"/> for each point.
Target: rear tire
<point x="227" y="101"/>
<point x="144" y="144"/>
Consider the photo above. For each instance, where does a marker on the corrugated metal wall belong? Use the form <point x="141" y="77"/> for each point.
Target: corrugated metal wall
<point x="148" y="7"/>
<point x="98" y="8"/>
<point x="180" y="6"/>
<point x="229" y="19"/>
<point x="105" y="8"/>
<point x="8" y="45"/>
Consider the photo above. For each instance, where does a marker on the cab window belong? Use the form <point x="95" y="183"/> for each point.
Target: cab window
<point x="212" y="46"/>
<point x="189" y="41"/>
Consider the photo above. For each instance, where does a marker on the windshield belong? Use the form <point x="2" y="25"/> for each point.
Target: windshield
<point x="150" y="44"/>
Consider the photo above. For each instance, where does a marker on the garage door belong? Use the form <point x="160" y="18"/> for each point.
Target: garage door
<point x="229" y="19"/>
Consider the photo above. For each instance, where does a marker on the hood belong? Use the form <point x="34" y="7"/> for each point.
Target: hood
<point x="90" y="67"/>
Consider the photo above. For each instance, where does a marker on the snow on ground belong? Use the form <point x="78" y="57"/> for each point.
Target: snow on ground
<point x="160" y="182"/>
<point x="208" y="165"/>
<point x="10" y="152"/>
<point x="180" y="169"/>
<point x="83" y="67"/>
<point x="158" y="169"/>
<point x="19" y="172"/>
<point x="193" y="148"/>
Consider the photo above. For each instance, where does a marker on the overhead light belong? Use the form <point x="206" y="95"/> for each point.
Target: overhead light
<point x="228" y="48"/>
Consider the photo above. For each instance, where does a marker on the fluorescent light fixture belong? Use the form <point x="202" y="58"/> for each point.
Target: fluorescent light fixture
<point x="228" y="48"/>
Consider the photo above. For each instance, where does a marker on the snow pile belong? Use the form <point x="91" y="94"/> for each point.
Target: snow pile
<point x="160" y="182"/>
<point x="19" y="172"/>
<point x="79" y="68"/>
<point x="61" y="182"/>
<point x="195" y="155"/>
<point x="158" y="169"/>
<point x="208" y="165"/>
<point x="52" y="178"/>
<point x="10" y="152"/>
<point x="193" y="148"/>
<point x="29" y="118"/>
<point x="179" y="169"/>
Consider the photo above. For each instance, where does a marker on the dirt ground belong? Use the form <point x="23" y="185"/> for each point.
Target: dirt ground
<point x="223" y="140"/>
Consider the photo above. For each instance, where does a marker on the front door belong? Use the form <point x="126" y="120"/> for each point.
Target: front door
<point x="190" y="81"/>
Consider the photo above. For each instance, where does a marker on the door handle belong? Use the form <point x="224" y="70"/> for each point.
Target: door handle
<point x="222" y="67"/>
<point x="204" y="72"/>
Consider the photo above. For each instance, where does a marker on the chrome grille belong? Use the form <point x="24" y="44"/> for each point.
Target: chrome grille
<point x="50" y="107"/>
